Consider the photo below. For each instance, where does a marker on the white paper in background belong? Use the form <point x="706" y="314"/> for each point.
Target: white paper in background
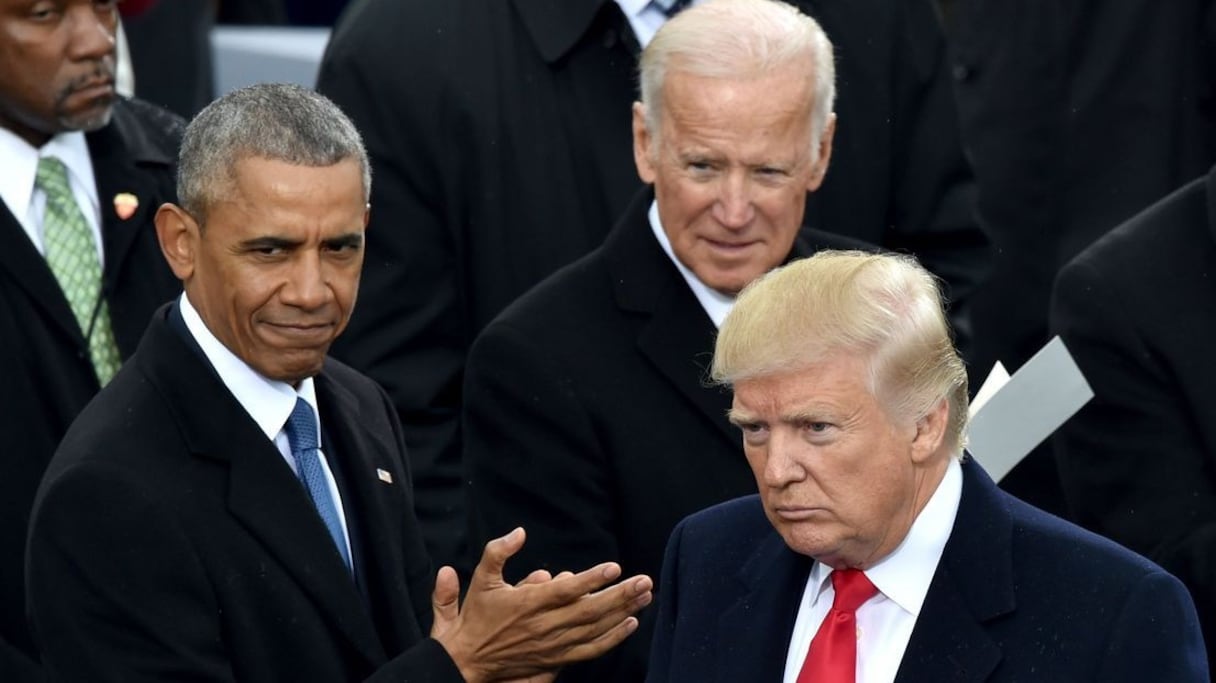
<point x="996" y="379"/>
<point x="1024" y="410"/>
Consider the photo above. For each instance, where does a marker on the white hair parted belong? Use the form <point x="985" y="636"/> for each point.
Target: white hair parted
<point x="739" y="39"/>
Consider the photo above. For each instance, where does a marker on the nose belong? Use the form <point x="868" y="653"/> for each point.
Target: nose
<point x="783" y="465"/>
<point x="734" y="208"/>
<point x="307" y="287"/>
<point x="92" y="32"/>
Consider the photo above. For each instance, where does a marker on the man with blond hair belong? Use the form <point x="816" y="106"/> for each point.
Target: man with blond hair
<point x="876" y="550"/>
<point x="588" y="419"/>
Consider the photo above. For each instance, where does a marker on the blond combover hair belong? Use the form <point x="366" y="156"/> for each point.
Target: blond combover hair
<point x="739" y="39"/>
<point x="885" y="308"/>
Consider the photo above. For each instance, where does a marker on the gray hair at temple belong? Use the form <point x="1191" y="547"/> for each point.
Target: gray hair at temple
<point x="739" y="39"/>
<point x="884" y="307"/>
<point x="275" y="121"/>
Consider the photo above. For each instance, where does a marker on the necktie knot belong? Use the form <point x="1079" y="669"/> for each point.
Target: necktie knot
<point x="852" y="589"/>
<point x="52" y="177"/>
<point x="301" y="427"/>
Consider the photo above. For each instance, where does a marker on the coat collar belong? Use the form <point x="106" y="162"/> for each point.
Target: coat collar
<point x="556" y="26"/>
<point x="973" y="585"/>
<point x="674" y="334"/>
<point x="263" y="493"/>
<point x="123" y="153"/>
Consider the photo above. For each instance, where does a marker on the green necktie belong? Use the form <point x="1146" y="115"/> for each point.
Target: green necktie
<point x="72" y="256"/>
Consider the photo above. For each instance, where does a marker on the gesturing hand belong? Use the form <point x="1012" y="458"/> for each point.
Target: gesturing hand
<point x="532" y="628"/>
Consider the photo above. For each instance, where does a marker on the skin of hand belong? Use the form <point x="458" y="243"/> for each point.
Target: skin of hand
<point x="527" y="631"/>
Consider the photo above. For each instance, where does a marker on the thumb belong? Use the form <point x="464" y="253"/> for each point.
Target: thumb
<point x="489" y="570"/>
<point x="445" y="601"/>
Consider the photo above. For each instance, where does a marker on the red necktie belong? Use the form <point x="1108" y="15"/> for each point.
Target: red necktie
<point x="832" y="657"/>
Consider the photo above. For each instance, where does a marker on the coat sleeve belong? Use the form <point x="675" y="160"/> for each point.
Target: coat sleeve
<point x="117" y="591"/>
<point x="1155" y="634"/>
<point x="661" y="646"/>
<point x="408" y="331"/>
<point x="1131" y="461"/>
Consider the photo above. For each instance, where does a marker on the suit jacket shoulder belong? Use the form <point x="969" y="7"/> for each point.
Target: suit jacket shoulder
<point x="203" y="555"/>
<point x="1018" y="594"/>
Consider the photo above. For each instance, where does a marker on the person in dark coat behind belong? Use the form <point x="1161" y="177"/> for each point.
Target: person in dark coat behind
<point x="57" y="100"/>
<point x="500" y="137"/>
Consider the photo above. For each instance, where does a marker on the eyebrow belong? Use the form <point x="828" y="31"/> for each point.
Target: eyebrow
<point x="269" y="242"/>
<point x="350" y="239"/>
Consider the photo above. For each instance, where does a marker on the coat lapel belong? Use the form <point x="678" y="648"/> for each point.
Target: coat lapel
<point x="973" y="585"/>
<point x="263" y="494"/>
<point x="119" y="151"/>
<point x="754" y="631"/>
<point x="28" y="271"/>
<point x="364" y="455"/>
<point x="676" y="334"/>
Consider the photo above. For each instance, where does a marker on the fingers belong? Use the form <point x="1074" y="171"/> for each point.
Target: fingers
<point x="445" y="600"/>
<point x="489" y="570"/>
<point x="567" y="587"/>
<point x="537" y="576"/>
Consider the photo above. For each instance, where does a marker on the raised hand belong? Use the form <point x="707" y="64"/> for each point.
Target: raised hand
<point x="527" y="631"/>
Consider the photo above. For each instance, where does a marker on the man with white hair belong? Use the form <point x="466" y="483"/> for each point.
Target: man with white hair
<point x="588" y="419"/>
<point x="876" y="550"/>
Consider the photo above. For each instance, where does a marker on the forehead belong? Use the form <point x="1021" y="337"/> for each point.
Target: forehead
<point x="293" y="195"/>
<point x="772" y="108"/>
<point x="837" y="382"/>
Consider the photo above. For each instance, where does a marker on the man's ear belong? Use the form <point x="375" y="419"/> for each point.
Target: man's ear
<point x="930" y="432"/>
<point x="643" y="142"/>
<point x="178" y="234"/>
<point x="825" y="154"/>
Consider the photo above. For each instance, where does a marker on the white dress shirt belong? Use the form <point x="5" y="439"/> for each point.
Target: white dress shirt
<point x="27" y="203"/>
<point x="885" y="621"/>
<point x="268" y="402"/>
<point x="645" y="18"/>
<point x="715" y="304"/>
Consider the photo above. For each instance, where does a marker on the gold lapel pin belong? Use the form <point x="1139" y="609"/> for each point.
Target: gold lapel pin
<point x="125" y="204"/>
<point x="385" y="476"/>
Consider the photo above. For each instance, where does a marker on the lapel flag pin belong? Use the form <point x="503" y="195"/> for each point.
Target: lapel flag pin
<point x="385" y="476"/>
<point x="125" y="204"/>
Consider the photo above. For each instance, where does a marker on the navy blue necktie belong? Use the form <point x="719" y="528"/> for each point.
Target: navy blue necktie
<point x="671" y="8"/>
<point x="301" y="431"/>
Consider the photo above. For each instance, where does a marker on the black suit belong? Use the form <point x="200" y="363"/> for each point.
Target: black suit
<point x="171" y="541"/>
<point x="44" y="361"/>
<point x="589" y="422"/>
<point x="1018" y="595"/>
<point x="1138" y="462"/>
<point x="503" y="151"/>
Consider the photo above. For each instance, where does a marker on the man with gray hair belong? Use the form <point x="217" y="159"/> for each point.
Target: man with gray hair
<point x="587" y="416"/>
<point x="235" y="506"/>
<point x="876" y="550"/>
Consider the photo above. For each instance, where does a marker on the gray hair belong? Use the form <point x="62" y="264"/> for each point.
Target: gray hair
<point x="885" y="308"/>
<point x="739" y="39"/>
<point x="276" y="121"/>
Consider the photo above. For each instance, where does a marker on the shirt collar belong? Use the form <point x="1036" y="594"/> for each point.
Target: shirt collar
<point x="269" y="402"/>
<point x="715" y="304"/>
<point x="21" y="167"/>
<point x="904" y="575"/>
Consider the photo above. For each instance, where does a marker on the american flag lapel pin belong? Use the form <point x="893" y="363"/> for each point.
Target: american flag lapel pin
<point x="384" y="475"/>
